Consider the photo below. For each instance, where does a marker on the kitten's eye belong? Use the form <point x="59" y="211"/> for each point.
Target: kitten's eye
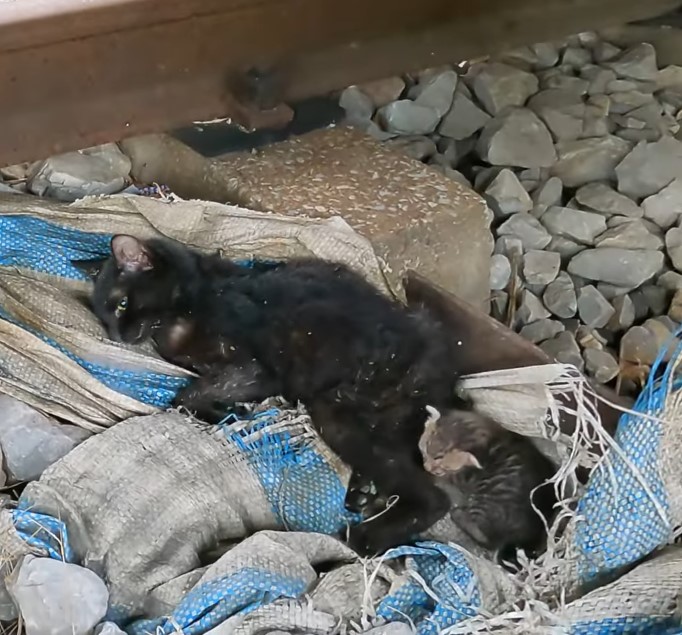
<point x="121" y="307"/>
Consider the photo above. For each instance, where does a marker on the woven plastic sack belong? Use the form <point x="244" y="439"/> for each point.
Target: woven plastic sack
<point x="53" y="351"/>
<point x="54" y="356"/>
<point x="139" y="504"/>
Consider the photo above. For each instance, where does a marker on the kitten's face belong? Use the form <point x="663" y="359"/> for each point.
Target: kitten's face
<point x="438" y="447"/>
<point x="132" y="291"/>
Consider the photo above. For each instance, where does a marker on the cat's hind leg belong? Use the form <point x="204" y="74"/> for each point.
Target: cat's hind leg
<point x="415" y="502"/>
<point x="211" y="396"/>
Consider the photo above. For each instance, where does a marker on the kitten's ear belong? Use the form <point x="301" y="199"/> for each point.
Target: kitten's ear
<point x="456" y="460"/>
<point x="90" y="268"/>
<point x="131" y="255"/>
<point x="470" y="460"/>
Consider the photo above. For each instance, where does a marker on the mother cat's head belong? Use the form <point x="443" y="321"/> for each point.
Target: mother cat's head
<point x="142" y="284"/>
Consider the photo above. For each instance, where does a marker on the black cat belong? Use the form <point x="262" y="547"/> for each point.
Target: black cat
<point x="491" y="473"/>
<point x="312" y="331"/>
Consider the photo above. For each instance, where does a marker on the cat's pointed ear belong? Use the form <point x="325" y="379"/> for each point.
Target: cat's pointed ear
<point x="456" y="460"/>
<point x="90" y="268"/>
<point x="131" y="254"/>
<point x="470" y="460"/>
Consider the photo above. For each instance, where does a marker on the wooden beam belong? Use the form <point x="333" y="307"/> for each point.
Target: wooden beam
<point x="74" y="75"/>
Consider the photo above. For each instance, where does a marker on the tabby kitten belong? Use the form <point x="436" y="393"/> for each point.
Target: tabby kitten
<point x="490" y="474"/>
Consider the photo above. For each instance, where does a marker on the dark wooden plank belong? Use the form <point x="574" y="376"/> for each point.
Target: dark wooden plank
<point x="74" y="74"/>
<point x="488" y="345"/>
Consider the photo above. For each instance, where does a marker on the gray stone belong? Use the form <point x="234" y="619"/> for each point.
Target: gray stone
<point x="540" y="267"/>
<point x="611" y="291"/>
<point x="523" y="58"/>
<point x="637" y="62"/>
<point x="605" y="51"/>
<point x="628" y="122"/>
<point x="564" y="349"/>
<point x="549" y="193"/>
<point x="601" y="365"/>
<point x="358" y="106"/>
<point x="500" y="272"/>
<point x="630" y="235"/>
<point x="517" y="137"/>
<point x="437" y="92"/>
<point x="499" y="300"/>
<point x="562" y="111"/>
<point x="636" y="136"/>
<point x="669" y="77"/>
<point x="95" y="171"/>
<point x="576" y="57"/>
<point x="675" y="308"/>
<point x="621" y="267"/>
<point x="58" y="598"/>
<point x="621" y="86"/>
<point x="406" y="117"/>
<point x="30" y="441"/>
<point x="560" y="296"/>
<point x="598" y="78"/>
<point x="670" y="280"/>
<point x="541" y="330"/>
<point x="655" y="299"/>
<point x="463" y="119"/>
<point x="561" y="81"/>
<point x="485" y="176"/>
<point x="507" y="194"/>
<point x="546" y="54"/>
<point x="510" y="246"/>
<point x="9" y="189"/>
<point x="582" y="227"/>
<point x="638" y="346"/>
<point x="625" y="102"/>
<point x="672" y="97"/>
<point x="665" y="208"/>
<point x="531" y="308"/>
<point x="564" y="247"/>
<point x="587" y="160"/>
<point x="588" y="337"/>
<point x="651" y="227"/>
<point x="454" y="151"/>
<point x="383" y="91"/>
<point x="662" y="329"/>
<point x="673" y="244"/>
<point x="650" y="167"/>
<point x="376" y="132"/>
<point x="455" y="176"/>
<point x="417" y="147"/>
<point x="605" y="200"/>
<point x="624" y="313"/>
<point x="528" y="229"/>
<point x="593" y="308"/>
<point x="497" y="86"/>
<point x="108" y="628"/>
<point x="596" y="122"/>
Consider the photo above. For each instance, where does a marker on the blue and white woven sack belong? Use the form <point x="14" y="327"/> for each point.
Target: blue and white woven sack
<point x="139" y="503"/>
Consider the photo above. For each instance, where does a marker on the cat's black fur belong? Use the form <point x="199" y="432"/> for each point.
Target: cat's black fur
<point x="365" y="366"/>
<point x="490" y="474"/>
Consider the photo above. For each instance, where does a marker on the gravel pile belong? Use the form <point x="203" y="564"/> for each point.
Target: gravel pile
<point x="573" y="145"/>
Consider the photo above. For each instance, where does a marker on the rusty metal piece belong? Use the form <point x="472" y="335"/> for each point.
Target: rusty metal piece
<point x="75" y="74"/>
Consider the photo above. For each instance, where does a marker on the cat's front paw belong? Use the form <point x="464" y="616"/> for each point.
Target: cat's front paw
<point x="371" y="541"/>
<point x="361" y="495"/>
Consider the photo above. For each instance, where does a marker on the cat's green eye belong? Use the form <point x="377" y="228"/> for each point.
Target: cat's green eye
<point x="121" y="306"/>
